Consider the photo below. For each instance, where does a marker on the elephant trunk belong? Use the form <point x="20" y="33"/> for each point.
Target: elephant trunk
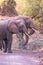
<point x="25" y="30"/>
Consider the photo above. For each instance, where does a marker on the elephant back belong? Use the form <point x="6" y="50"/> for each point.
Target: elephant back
<point x="4" y="23"/>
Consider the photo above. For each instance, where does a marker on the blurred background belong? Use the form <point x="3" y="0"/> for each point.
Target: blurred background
<point x="33" y="8"/>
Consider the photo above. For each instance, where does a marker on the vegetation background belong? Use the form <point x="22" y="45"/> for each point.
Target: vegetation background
<point x="33" y="8"/>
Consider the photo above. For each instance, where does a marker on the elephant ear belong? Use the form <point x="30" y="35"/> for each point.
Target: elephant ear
<point x="12" y="28"/>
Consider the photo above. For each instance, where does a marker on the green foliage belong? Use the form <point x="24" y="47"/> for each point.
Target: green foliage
<point x="8" y="8"/>
<point x="33" y="8"/>
<point x="28" y="6"/>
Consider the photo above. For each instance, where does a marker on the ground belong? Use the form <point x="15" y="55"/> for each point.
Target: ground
<point x="21" y="57"/>
<point x="31" y="56"/>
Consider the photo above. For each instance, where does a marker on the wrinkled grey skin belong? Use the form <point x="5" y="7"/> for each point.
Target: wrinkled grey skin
<point x="9" y="27"/>
<point x="29" y="25"/>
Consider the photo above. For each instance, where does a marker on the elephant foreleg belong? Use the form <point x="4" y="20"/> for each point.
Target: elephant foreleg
<point x="26" y="40"/>
<point x="21" y="40"/>
<point x="9" y="41"/>
<point x="1" y="44"/>
<point x="5" y="46"/>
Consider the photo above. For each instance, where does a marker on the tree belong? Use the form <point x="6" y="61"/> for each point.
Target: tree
<point x="8" y="8"/>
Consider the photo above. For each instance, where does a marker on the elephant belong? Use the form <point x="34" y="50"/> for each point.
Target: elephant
<point x="9" y="27"/>
<point x="29" y="25"/>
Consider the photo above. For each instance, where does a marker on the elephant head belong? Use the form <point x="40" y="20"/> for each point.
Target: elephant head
<point x="28" y="22"/>
<point x="30" y="25"/>
<point x="16" y="26"/>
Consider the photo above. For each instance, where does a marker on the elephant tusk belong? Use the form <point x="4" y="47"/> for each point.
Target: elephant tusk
<point x="27" y="34"/>
<point x="36" y="30"/>
<point x="33" y="29"/>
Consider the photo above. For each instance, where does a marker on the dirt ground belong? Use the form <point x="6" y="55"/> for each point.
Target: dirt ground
<point x="32" y="56"/>
<point x="35" y="42"/>
<point x="34" y="47"/>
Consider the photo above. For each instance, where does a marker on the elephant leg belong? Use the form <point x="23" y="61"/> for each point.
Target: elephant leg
<point x="1" y="44"/>
<point x="26" y="40"/>
<point x="9" y="41"/>
<point x="21" y="41"/>
<point x="5" y="46"/>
